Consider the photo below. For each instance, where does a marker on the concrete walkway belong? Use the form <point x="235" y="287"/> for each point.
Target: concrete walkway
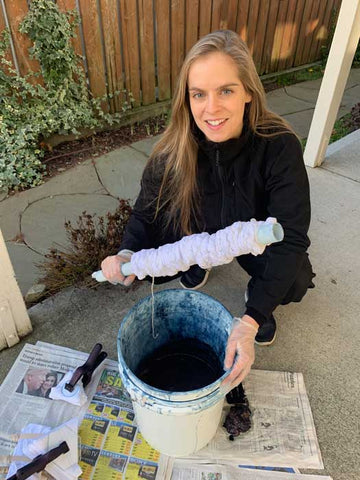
<point x="319" y="337"/>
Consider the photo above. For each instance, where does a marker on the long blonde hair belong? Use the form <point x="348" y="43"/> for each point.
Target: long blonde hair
<point x="178" y="192"/>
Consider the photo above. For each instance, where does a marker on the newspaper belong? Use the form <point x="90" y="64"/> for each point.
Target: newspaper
<point x="282" y="433"/>
<point x="228" y="472"/>
<point x="111" y="444"/>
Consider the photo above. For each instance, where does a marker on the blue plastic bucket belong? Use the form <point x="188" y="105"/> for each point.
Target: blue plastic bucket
<point x="176" y="423"/>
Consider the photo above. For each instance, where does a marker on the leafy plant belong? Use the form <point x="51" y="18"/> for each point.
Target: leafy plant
<point x="90" y="241"/>
<point x="31" y="109"/>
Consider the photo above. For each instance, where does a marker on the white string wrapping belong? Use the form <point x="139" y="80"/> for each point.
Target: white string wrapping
<point x="202" y="249"/>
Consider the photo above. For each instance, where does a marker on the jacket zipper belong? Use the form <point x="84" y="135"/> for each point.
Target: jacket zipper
<point x="221" y="176"/>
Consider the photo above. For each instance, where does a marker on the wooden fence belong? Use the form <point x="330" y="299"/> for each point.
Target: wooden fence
<point x="139" y="45"/>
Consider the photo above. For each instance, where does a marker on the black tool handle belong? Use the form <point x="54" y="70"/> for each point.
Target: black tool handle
<point x="39" y="463"/>
<point x="86" y="370"/>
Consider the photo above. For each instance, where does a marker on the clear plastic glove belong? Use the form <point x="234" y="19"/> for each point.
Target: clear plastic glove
<point x="111" y="268"/>
<point x="240" y="351"/>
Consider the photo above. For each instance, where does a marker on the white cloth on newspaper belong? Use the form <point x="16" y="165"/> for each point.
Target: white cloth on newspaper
<point x="38" y="439"/>
<point x="76" y="397"/>
<point x="202" y="249"/>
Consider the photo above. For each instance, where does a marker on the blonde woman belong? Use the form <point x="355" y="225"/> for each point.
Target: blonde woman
<point x="225" y="157"/>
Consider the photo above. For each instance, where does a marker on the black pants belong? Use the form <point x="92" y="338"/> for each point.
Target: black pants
<point x="254" y="266"/>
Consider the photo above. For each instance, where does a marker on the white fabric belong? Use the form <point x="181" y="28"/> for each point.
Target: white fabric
<point x="202" y="249"/>
<point x="76" y="397"/>
<point x="65" y="467"/>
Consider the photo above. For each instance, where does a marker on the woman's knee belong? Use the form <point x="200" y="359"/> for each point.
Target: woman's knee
<point x="303" y="282"/>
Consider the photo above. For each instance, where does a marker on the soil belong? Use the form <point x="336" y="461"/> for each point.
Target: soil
<point x="69" y="154"/>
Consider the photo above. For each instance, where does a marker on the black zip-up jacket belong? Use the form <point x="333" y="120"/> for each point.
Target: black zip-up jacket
<point x="240" y="179"/>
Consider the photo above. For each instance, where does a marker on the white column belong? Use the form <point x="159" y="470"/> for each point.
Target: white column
<point x="14" y="319"/>
<point x="336" y="73"/>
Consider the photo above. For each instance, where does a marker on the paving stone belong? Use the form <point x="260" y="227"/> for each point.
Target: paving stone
<point x="301" y="121"/>
<point x="42" y="222"/>
<point x="351" y="97"/>
<point x="146" y="145"/>
<point x="354" y="77"/>
<point x="65" y="183"/>
<point x="23" y="260"/>
<point x="120" y="172"/>
<point x="307" y="91"/>
<point x="282" y="104"/>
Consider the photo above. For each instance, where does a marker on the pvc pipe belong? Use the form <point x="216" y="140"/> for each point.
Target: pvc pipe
<point x="267" y="234"/>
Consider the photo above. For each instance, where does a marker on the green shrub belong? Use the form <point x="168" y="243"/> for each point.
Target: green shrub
<point x="29" y="111"/>
<point x="90" y="241"/>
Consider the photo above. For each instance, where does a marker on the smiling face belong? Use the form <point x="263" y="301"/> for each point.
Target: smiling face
<point x="217" y="96"/>
<point x="49" y="382"/>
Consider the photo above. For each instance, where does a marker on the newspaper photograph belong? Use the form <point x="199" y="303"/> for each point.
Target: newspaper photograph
<point x="282" y="431"/>
<point x="228" y="472"/>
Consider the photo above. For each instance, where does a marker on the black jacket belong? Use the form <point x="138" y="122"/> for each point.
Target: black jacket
<point x="240" y="179"/>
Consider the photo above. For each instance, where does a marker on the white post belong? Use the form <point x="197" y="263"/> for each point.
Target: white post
<point x="336" y="73"/>
<point x="14" y="319"/>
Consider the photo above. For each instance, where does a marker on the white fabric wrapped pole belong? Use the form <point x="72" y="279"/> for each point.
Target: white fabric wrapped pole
<point x="202" y="249"/>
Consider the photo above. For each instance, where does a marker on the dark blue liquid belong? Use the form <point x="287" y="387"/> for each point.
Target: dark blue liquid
<point x="180" y="366"/>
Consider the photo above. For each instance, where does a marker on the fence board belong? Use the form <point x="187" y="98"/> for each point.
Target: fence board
<point x="270" y="36"/>
<point x="318" y="31"/>
<point x="300" y="5"/>
<point x="279" y="33"/>
<point x="129" y="25"/>
<point x="16" y="11"/>
<point x="242" y="19"/>
<point x="93" y="48"/>
<point x="191" y="24"/>
<point x="146" y="28"/>
<point x="303" y="32"/>
<point x="231" y="16"/>
<point x="112" y="50"/>
<point x="324" y="34"/>
<point x="177" y="39"/>
<point x="64" y="6"/>
<point x="224" y="14"/>
<point x="270" y="29"/>
<point x="259" y="42"/>
<point x="162" y="17"/>
<point x="251" y="25"/>
<point x="288" y="43"/>
<point x="8" y="55"/>
<point x="310" y="30"/>
<point x="205" y="17"/>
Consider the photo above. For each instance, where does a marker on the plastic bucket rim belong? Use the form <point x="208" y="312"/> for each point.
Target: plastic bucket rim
<point x="165" y="394"/>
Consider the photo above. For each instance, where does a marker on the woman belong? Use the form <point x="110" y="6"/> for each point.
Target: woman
<point x="50" y="381"/>
<point x="224" y="158"/>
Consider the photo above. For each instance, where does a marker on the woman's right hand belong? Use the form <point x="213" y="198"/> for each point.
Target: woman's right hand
<point x="111" y="269"/>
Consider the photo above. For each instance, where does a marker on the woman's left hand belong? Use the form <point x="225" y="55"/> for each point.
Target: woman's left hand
<point x="240" y="347"/>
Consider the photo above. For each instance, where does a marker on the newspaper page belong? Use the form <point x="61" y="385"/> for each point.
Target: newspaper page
<point x="111" y="445"/>
<point x="282" y="432"/>
<point x="228" y="472"/>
